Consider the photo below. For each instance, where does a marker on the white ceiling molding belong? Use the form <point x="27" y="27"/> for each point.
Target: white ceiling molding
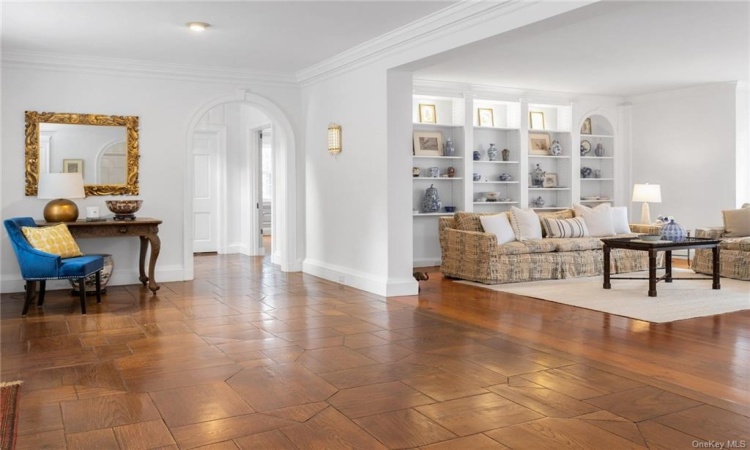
<point x="500" y="93"/>
<point x="460" y="15"/>
<point x="118" y="66"/>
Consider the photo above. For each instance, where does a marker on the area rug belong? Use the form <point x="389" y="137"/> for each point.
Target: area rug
<point x="9" y="414"/>
<point x="679" y="300"/>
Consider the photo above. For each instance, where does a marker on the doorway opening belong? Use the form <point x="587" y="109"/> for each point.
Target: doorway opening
<point x="233" y="183"/>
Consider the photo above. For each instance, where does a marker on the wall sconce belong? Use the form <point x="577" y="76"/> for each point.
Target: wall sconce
<point x="334" y="138"/>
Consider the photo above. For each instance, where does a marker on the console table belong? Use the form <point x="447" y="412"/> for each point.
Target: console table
<point x="145" y="228"/>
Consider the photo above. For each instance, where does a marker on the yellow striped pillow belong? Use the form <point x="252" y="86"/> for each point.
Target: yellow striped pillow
<point x="55" y="239"/>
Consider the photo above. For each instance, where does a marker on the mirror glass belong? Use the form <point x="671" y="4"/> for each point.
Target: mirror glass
<point x="104" y="149"/>
<point x="96" y="152"/>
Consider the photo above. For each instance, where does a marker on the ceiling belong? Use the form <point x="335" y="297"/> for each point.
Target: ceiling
<point x="612" y="48"/>
<point x="609" y="48"/>
<point x="270" y="36"/>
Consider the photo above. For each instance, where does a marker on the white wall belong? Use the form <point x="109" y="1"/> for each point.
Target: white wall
<point x="165" y="107"/>
<point x="686" y="141"/>
<point x="358" y="203"/>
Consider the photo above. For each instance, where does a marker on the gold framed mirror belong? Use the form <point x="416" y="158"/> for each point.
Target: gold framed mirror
<point x="103" y="148"/>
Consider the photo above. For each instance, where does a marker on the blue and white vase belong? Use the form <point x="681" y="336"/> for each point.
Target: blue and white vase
<point x="492" y="152"/>
<point x="673" y="232"/>
<point x="431" y="202"/>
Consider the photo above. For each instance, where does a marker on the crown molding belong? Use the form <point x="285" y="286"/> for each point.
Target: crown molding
<point x="118" y="66"/>
<point x="423" y="86"/>
<point x="464" y="14"/>
<point x="682" y="92"/>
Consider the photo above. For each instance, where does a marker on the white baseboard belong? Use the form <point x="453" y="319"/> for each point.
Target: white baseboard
<point x="119" y="278"/>
<point x="361" y="280"/>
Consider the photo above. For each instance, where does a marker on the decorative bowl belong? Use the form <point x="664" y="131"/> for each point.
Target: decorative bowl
<point x="450" y="208"/>
<point x="124" y="208"/>
<point x="649" y="237"/>
<point x="492" y="196"/>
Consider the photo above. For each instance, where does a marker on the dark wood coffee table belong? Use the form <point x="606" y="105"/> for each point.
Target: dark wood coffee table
<point x="634" y="243"/>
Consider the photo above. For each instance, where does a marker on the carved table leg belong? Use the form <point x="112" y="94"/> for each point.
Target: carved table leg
<point x="142" y="260"/>
<point x="155" y="249"/>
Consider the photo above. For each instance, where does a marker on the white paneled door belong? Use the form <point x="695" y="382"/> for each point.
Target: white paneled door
<point x="205" y="191"/>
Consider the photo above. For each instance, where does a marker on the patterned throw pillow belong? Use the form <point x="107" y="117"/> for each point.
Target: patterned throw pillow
<point x="55" y="239"/>
<point x="565" y="228"/>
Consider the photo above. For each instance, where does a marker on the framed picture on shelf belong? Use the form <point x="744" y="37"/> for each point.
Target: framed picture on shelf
<point x="427" y="113"/>
<point x="428" y="143"/>
<point x="536" y="120"/>
<point x="538" y="144"/>
<point x="586" y="127"/>
<point x="550" y="180"/>
<point x="73" y="166"/>
<point x="485" y="117"/>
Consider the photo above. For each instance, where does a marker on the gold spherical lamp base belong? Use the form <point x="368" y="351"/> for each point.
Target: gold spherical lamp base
<point x="61" y="210"/>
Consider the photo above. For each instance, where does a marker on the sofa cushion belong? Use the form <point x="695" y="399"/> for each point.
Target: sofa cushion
<point x="498" y="225"/>
<point x="742" y="244"/>
<point x="468" y="221"/>
<point x="527" y="246"/>
<point x="598" y="219"/>
<point x="525" y="224"/>
<point x="565" y="228"/>
<point x="562" y="214"/>
<point x="620" y="219"/>
<point x="736" y="222"/>
<point x="576" y="244"/>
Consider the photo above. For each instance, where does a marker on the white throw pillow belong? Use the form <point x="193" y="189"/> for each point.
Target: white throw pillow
<point x="736" y="222"/>
<point x="598" y="220"/>
<point x="565" y="228"/>
<point x="620" y="219"/>
<point x="498" y="225"/>
<point x="525" y="224"/>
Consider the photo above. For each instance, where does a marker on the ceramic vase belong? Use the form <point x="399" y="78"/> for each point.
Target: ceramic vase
<point x="90" y="282"/>
<point x="477" y="156"/>
<point x="506" y="154"/>
<point x="449" y="149"/>
<point x="599" y="150"/>
<point x="431" y="202"/>
<point x="555" y="149"/>
<point x="537" y="177"/>
<point x="673" y="232"/>
<point x="492" y="152"/>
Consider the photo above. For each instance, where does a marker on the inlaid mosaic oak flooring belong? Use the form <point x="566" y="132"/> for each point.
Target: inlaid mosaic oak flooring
<point x="248" y="357"/>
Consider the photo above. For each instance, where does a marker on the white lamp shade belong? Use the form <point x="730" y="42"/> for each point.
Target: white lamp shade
<point x="60" y="185"/>
<point x="650" y="193"/>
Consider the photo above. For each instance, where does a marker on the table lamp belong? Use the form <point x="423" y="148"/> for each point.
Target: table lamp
<point x="646" y="193"/>
<point x="60" y="187"/>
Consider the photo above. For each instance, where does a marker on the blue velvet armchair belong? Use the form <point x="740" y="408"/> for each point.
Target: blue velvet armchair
<point x="40" y="266"/>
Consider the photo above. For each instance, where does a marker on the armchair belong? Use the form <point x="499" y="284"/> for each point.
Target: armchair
<point x="40" y="266"/>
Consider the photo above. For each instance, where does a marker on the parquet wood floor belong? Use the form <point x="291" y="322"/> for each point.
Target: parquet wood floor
<point x="248" y="357"/>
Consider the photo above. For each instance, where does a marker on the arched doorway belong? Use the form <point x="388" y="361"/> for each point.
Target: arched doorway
<point x="285" y="251"/>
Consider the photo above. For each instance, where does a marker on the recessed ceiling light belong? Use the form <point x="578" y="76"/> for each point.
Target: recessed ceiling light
<point x="198" y="26"/>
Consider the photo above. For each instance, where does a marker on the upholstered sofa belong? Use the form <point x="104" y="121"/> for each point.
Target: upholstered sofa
<point x="734" y="248"/>
<point x="470" y="253"/>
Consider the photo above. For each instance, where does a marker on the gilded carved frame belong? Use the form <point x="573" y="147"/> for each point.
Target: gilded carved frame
<point x="33" y="119"/>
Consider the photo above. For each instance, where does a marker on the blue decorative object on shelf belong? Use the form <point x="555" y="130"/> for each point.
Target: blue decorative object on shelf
<point x="431" y="202"/>
<point x="673" y="232"/>
<point x="477" y="155"/>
